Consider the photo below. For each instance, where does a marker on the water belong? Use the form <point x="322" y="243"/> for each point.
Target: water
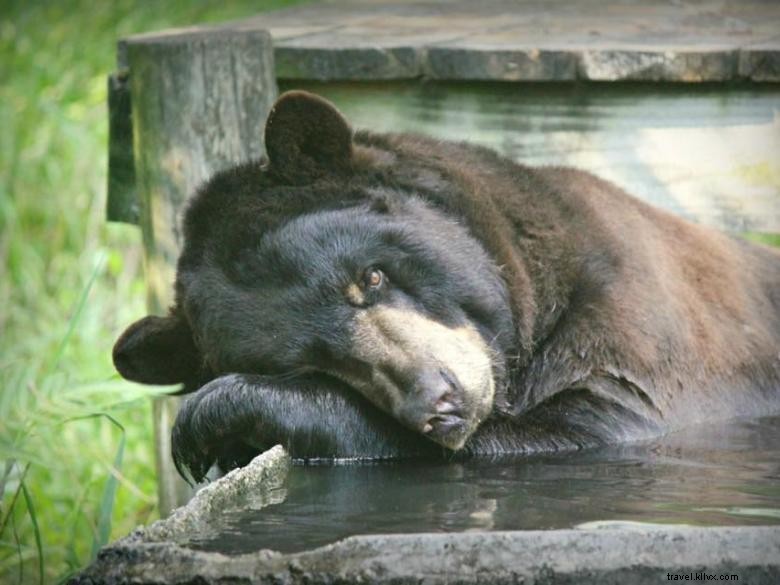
<point x="722" y="474"/>
<point x="701" y="151"/>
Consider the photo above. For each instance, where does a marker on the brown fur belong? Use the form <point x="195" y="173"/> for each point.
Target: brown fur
<point x="610" y="293"/>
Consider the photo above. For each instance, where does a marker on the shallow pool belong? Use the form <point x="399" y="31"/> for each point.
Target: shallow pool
<point x="721" y="474"/>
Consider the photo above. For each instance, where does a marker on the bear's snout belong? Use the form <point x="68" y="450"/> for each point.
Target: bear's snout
<point x="435" y="407"/>
<point x="435" y="379"/>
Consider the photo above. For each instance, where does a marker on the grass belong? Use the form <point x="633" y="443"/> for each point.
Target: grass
<point x="761" y="238"/>
<point x="76" y="445"/>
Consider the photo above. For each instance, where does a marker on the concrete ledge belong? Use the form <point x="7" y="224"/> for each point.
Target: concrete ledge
<point x="560" y="556"/>
<point x="522" y="40"/>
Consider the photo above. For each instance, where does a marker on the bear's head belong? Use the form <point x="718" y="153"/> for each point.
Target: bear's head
<point x="320" y="260"/>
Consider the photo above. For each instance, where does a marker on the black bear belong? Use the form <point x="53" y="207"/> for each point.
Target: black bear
<point x="376" y="295"/>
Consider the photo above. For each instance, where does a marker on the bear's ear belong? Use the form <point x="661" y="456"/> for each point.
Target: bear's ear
<point x="157" y="350"/>
<point x="306" y="137"/>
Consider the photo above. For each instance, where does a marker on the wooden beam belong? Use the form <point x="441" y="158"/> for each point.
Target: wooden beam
<point x="199" y="103"/>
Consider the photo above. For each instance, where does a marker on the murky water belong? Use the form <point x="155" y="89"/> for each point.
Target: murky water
<point x="723" y="474"/>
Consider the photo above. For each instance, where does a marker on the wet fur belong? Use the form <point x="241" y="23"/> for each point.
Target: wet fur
<point x="625" y="320"/>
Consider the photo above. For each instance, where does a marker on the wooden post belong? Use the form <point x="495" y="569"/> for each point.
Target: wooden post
<point x="199" y="103"/>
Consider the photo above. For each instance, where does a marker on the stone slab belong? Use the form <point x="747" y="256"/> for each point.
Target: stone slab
<point x="245" y="486"/>
<point x="560" y="556"/>
<point x="534" y="40"/>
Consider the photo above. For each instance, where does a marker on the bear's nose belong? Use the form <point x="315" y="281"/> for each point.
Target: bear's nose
<point x="435" y="408"/>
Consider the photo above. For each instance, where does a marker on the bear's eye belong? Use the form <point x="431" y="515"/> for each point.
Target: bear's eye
<point x="373" y="278"/>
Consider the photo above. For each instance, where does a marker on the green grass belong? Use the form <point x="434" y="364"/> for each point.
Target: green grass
<point x="766" y="239"/>
<point x="76" y="447"/>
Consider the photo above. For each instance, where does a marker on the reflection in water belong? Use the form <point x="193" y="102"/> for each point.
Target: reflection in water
<point x="726" y="474"/>
<point x="705" y="152"/>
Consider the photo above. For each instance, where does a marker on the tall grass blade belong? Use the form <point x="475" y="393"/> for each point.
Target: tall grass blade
<point x="12" y="504"/>
<point x="74" y="319"/>
<point x="103" y="532"/>
<point x="18" y="549"/>
<point x="9" y="465"/>
<point x="36" y="531"/>
<point x="107" y="502"/>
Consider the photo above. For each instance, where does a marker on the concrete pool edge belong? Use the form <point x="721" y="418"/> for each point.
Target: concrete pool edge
<point x="639" y="554"/>
<point x="598" y="556"/>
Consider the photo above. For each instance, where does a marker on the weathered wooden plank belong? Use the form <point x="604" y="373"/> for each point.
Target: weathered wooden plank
<point x="122" y="200"/>
<point x="645" y="40"/>
<point x="597" y="40"/>
<point x="199" y="103"/>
